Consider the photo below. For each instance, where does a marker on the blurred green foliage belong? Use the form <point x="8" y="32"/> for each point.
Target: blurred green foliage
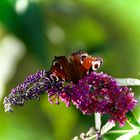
<point x="47" y="28"/>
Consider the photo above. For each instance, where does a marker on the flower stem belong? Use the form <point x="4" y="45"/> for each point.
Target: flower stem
<point x="119" y="131"/>
<point x="98" y="126"/>
<point x="92" y="137"/>
<point x="97" y="121"/>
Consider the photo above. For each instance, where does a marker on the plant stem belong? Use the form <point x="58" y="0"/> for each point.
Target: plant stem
<point x="119" y="131"/>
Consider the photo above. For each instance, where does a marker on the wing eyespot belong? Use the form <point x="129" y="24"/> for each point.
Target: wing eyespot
<point x="54" y="77"/>
<point x="95" y="65"/>
<point x="83" y="56"/>
<point x="57" y="65"/>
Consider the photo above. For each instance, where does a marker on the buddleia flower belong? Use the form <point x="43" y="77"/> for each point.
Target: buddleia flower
<point x="95" y="92"/>
<point x="32" y="88"/>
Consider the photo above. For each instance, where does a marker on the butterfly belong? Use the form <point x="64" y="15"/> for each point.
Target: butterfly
<point x="73" y="68"/>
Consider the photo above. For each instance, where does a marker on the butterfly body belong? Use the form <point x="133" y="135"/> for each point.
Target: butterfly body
<point x="75" y="67"/>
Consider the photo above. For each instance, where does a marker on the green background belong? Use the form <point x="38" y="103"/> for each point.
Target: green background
<point x="48" y="28"/>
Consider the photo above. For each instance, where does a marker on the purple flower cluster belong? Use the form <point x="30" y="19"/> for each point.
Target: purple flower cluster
<point x="32" y="88"/>
<point x="98" y="92"/>
<point x="95" y="92"/>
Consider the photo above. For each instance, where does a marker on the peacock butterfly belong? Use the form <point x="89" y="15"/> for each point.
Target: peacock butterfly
<point x="74" y="67"/>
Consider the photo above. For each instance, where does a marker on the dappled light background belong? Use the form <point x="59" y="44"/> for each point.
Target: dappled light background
<point x="32" y="32"/>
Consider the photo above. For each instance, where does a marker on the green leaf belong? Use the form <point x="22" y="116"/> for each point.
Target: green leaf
<point x="128" y="136"/>
<point x="132" y="119"/>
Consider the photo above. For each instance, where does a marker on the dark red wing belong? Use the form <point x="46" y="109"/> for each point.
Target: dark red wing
<point x="75" y="67"/>
<point x="60" y="67"/>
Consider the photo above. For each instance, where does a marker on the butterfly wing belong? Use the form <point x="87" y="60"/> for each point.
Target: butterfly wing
<point x="82" y="63"/>
<point x="75" y="67"/>
<point x="60" y="67"/>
